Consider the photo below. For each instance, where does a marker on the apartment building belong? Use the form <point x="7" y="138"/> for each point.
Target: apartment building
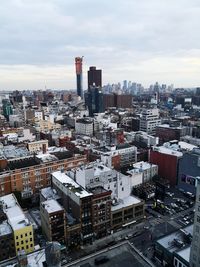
<point x="53" y="220"/>
<point x="7" y="246"/>
<point x="29" y="174"/>
<point x="37" y="146"/>
<point x="149" y="120"/>
<point x="21" y="227"/>
<point x="125" y="208"/>
<point x="148" y="170"/>
<point x="84" y="126"/>
<point x="118" y="156"/>
<point x="76" y="201"/>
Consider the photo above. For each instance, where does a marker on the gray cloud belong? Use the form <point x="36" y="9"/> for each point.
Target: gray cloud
<point x="142" y="41"/>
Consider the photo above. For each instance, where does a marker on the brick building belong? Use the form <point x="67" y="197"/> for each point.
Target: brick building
<point x="29" y="175"/>
<point x="167" y="161"/>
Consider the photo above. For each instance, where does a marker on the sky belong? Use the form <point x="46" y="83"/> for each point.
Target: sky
<point x="139" y="40"/>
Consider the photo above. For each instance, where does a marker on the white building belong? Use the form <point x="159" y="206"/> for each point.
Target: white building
<point x="148" y="170"/>
<point x="127" y="153"/>
<point x="97" y="174"/>
<point x="84" y="126"/>
<point x="149" y="120"/>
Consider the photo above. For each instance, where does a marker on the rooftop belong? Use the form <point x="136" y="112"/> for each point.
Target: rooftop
<point x="125" y="202"/>
<point x="70" y="184"/>
<point x="14" y="213"/>
<point x="5" y="228"/>
<point x="168" y="151"/>
<point x="46" y="157"/>
<point x="13" y="152"/>
<point x="121" y="255"/>
<point x="98" y="190"/>
<point x="185" y="253"/>
<point x="51" y="205"/>
<point x="176" y="240"/>
<point x="49" y="193"/>
<point x="143" y="165"/>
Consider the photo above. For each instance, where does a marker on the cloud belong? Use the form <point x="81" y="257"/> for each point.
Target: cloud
<point x="143" y="40"/>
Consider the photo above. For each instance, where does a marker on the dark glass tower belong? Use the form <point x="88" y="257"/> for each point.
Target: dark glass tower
<point x="94" y="77"/>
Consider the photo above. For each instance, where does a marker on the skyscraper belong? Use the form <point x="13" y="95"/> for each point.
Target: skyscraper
<point x="78" y="65"/>
<point x="94" y="77"/>
<point x="195" y="248"/>
<point x="94" y="100"/>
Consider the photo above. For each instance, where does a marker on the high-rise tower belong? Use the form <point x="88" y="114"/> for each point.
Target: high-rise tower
<point x="195" y="248"/>
<point x="94" y="77"/>
<point x="78" y="64"/>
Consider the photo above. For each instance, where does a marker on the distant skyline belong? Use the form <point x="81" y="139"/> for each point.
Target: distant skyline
<point x="142" y="41"/>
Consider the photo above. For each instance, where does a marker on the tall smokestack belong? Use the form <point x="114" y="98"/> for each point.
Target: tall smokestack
<point x="78" y="65"/>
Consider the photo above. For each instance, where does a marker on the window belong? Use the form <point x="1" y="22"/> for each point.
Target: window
<point x="31" y="239"/>
<point x="22" y="242"/>
<point x="27" y="247"/>
<point x="17" y="237"/>
<point x="122" y="189"/>
<point x="198" y="219"/>
<point x="21" y="236"/>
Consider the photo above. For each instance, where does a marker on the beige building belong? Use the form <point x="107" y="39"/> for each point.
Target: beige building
<point x="36" y="146"/>
<point x="46" y="126"/>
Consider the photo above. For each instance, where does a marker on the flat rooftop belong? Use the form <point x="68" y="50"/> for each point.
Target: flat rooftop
<point x="52" y="205"/>
<point x="69" y="183"/>
<point x="15" y="215"/>
<point x="49" y="193"/>
<point x="168" y="241"/>
<point x="185" y="253"/>
<point x="122" y="255"/>
<point x="143" y="165"/>
<point x="125" y="202"/>
<point x="5" y="228"/>
<point x="13" y="152"/>
<point x="168" y="151"/>
<point x="98" y="190"/>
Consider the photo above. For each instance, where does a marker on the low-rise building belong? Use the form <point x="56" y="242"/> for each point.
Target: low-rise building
<point x="37" y="146"/>
<point x="148" y="170"/>
<point x="7" y="246"/>
<point x="20" y="224"/>
<point x="76" y="201"/>
<point x="118" y="156"/>
<point x="167" y="160"/>
<point x="174" y="249"/>
<point x="84" y="126"/>
<point x="53" y="220"/>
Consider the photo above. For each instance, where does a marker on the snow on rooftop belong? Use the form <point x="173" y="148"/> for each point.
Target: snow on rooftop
<point x="5" y="228"/>
<point x="143" y="165"/>
<point x="51" y="205"/>
<point x="185" y="254"/>
<point x="186" y="146"/>
<point x="168" y="151"/>
<point x="125" y="202"/>
<point x="14" y="213"/>
<point x="70" y="184"/>
<point x="46" y="157"/>
<point x="168" y="240"/>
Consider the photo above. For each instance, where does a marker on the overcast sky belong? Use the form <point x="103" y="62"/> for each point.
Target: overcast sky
<point x="139" y="40"/>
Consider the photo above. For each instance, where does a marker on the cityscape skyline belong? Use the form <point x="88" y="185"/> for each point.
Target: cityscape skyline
<point x="143" y="42"/>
